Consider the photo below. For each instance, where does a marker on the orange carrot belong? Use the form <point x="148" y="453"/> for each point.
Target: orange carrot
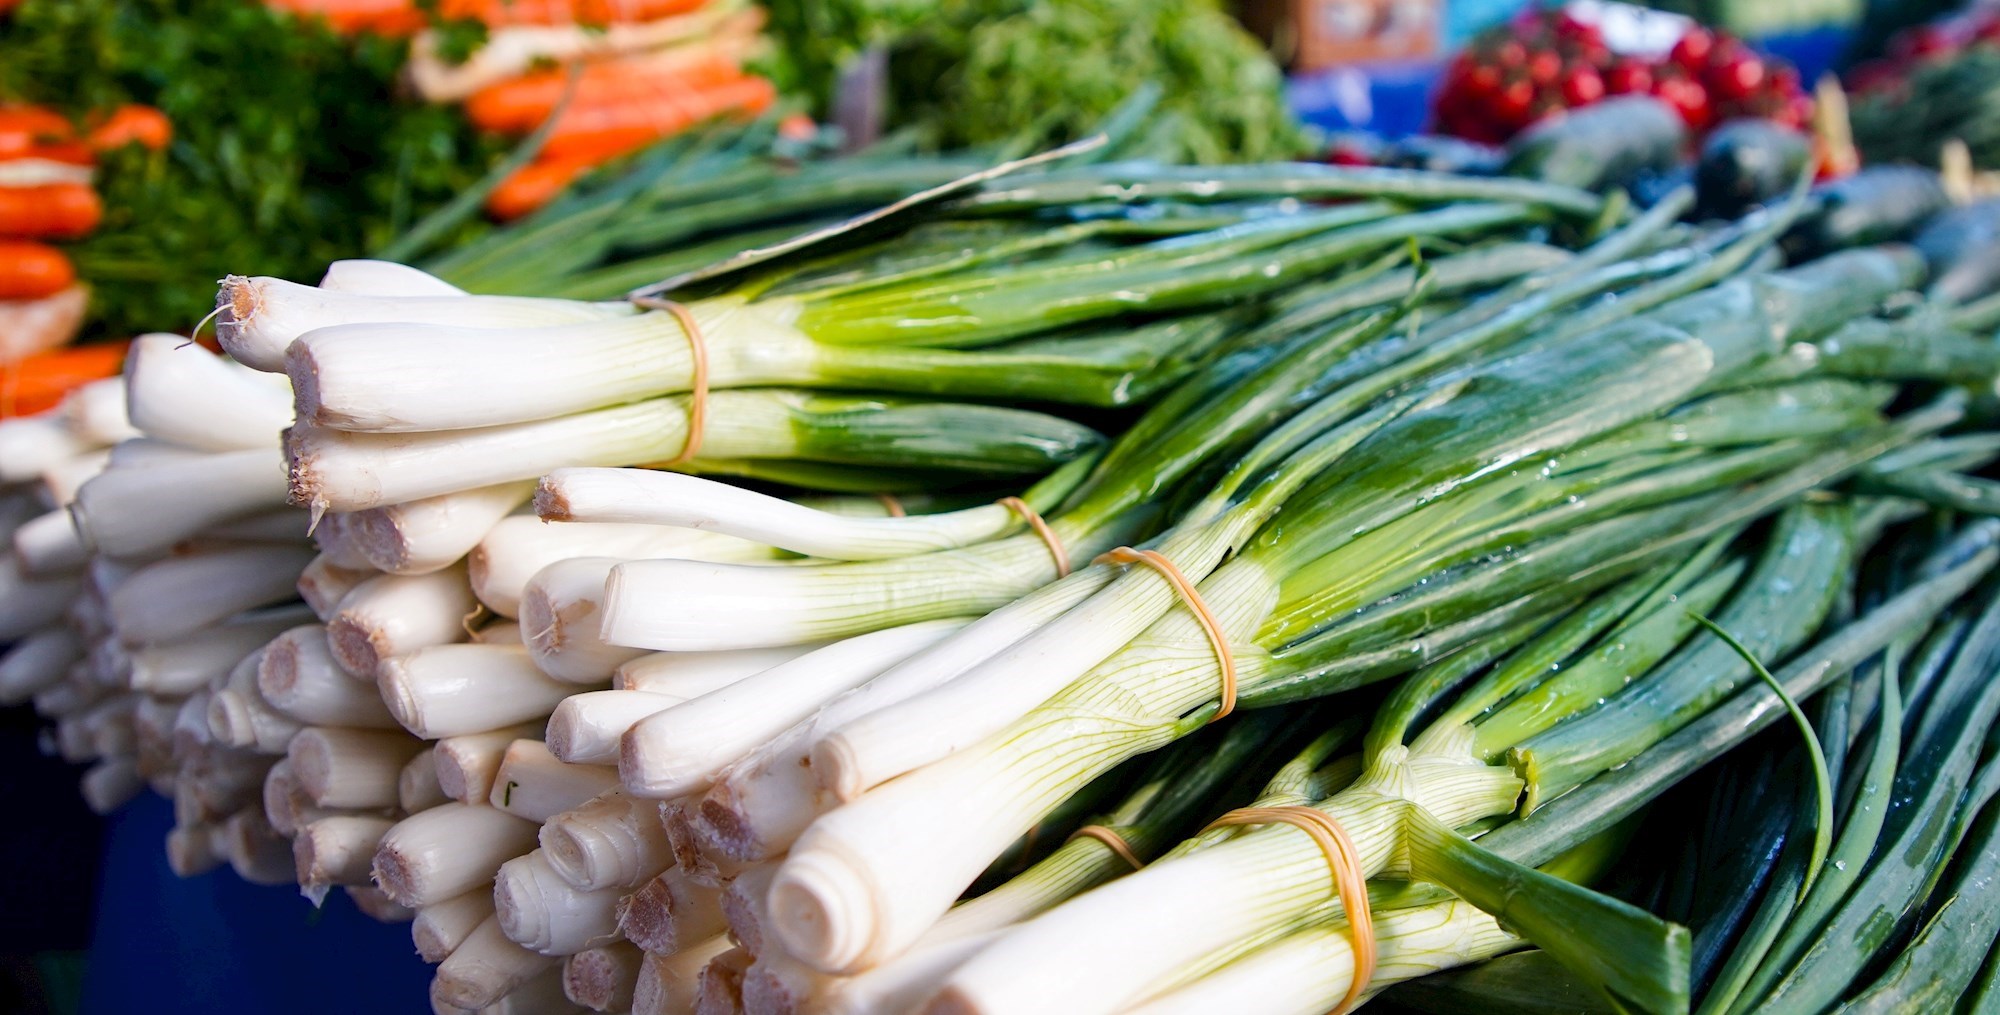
<point x="599" y="128"/>
<point x="39" y="382"/>
<point x="62" y="210"/>
<point x="534" y="185"/>
<point x="132" y="124"/>
<point x="382" y="17"/>
<point x="30" y="270"/>
<point x="499" y="13"/>
<point x="74" y="153"/>
<point x="25" y="127"/>
<point x="521" y="104"/>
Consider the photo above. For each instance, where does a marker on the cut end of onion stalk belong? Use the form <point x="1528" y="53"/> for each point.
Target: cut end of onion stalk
<point x="823" y="911"/>
<point x="602" y="979"/>
<point x="560" y="619"/>
<point x="237" y="302"/>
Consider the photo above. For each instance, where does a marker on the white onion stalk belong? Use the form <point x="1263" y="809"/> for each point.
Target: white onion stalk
<point x="377" y="905"/>
<point x="355" y="471"/>
<point x="417" y="786"/>
<point x="18" y="506"/>
<point x="720" y="990"/>
<point x="532" y="784"/>
<point x="384" y="278"/>
<point x="147" y="509"/>
<point x="260" y="317"/>
<point x="30" y="604"/>
<point x="350" y="768"/>
<point x="110" y="665"/>
<point x="427" y="535"/>
<point x="74" y="693"/>
<point x="60" y="481"/>
<point x="87" y="615"/>
<point x="323" y="584"/>
<point x="299" y="677"/>
<point x="602" y="978"/>
<point x="36" y="663"/>
<point x="671" y="498"/>
<point x="335" y="543"/>
<point x="466" y="764"/>
<point x="484" y="968"/>
<point x="240" y="718"/>
<point x="284" y="525"/>
<point x="111" y="784"/>
<point x="1310" y="971"/>
<point x="205" y="657"/>
<point x="776" y="982"/>
<point x="31" y="444"/>
<point x="257" y="853"/>
<point x="73" y="739"/>
<point x="178" y="596"/>
<point x="760" y="804"/>
<point x="585" y="728"/>
<point x="520" y="545"/>
<point x="682" y="749"/>
<point x="401" y="378"/>
<point x="179" y="392"/>
<point x="560" y="617"/>
<point x="671" y="912"/>
<point x="693" y="674"/>
<point x="336" y="850"/>
<point x="541" y="912"/>
<point x="667" y="983"/>
<point x="1239" y="888"/>
<point x="541" y="995"/>
<point x="452" y="848"/>
<point x="441" y="927"/>
<point x="614" y="840"/>
<point x="704" y="868"/>
<point x="277" y="795"/>
<point x="195" y="850"/>
<point x="140" y="452"/>
<point x="50" y="544"/>
<point x="452" y="690"/>
<point x="743" y="906"/>
<point x="96" y="411"/>
<point x="398" y="614"/>
<point x="105" y="574"/>
<point x="498" y="632"/>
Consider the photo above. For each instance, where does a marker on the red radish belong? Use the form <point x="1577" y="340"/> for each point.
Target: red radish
<point x="1583" y="87"/>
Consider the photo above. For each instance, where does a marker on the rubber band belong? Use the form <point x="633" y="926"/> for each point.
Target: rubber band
<point x="1202" y="614"/>
<point x="698" y="382"/>
<point x="894" y="506"/>
<point x="1112" y="840"/>
<point x="1041" y="527"/>
<point x="1349" y="881"/>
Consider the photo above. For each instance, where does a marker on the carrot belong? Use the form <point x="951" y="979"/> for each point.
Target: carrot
<point x="24" y="128"/>
<point x="51" y="210"/>
<point x="498" y="13"/>
<point x="132" y="124"/>
<point x="71" y="153"/>
<point x="30" y="270"/>
<point x="38" y="382"/>
<point x="535" y="185"/>
<point x="599" y="128"/>
<point x="382" y="17"/>
<point x="520" y="105"/>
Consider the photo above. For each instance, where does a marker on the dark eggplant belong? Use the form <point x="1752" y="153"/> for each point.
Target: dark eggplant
<point x="1745" y="163"/>
<point x="1876" y="205"/>
<point x="1599" y="147"/>
<point x="1442" y="154"/>
<point x="1962" y="248"/>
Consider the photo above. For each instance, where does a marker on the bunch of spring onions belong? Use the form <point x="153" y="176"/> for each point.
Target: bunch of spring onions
<point x="1437" y="499"/>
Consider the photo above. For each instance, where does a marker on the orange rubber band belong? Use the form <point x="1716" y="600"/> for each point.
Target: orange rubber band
<point x="1041" y="527"/>
<point x="1348" y="879"/>
<point x="1202" y="614"/>
<point x="894" y="506"/>
<point x="698" y="382"/>
<point x="1112" y="840"/>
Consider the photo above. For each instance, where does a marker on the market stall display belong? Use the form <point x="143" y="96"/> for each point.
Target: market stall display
<point x="1081" y="564"/>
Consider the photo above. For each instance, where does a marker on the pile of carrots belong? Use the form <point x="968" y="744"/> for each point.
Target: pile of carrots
<point x="46" y="195"/>
<point x="645" y="70"/>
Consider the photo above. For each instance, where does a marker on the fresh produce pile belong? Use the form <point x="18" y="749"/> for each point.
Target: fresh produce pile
<point x="1549" y="60"/>
<point x="1936" y="83"/>
<point x="1101" y="585"/>
<point x="969" y="72"/>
